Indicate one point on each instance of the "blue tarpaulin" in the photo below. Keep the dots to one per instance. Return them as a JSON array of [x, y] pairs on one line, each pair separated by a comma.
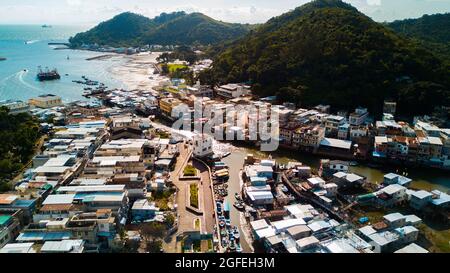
[[363, 220]]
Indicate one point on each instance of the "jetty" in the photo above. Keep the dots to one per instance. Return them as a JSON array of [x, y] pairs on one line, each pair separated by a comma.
[[101, 57], [59, 44]]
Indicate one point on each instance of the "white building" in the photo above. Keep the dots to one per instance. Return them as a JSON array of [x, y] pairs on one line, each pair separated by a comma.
[[232, 90], [358, 117], [203, 145], [420, 199], [392, 195], [15, 107], [412, 248]]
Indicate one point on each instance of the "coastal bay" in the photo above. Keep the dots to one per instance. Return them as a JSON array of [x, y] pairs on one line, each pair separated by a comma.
[[27, 47]]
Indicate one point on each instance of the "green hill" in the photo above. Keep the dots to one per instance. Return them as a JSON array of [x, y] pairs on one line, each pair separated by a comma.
[[433, 28], [129, 29], [123, 30], [195, 28], [328, 52], [431, 31]]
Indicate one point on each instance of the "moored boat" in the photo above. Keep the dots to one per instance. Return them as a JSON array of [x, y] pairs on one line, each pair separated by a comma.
[[239, 205], [48, 75], [236, 233]]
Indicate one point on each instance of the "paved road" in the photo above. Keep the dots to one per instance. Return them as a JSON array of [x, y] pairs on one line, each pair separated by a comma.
[[186, 218], [184, 223], [208, 202]]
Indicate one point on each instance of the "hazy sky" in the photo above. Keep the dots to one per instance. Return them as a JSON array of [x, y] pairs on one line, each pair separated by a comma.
[[90, 12]]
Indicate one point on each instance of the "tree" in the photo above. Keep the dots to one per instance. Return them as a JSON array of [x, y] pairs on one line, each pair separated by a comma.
[[165, 69], [152, 233], [340, 55], [164, 58], [294, 95], [170, 220], [154, 246], [18, 136]]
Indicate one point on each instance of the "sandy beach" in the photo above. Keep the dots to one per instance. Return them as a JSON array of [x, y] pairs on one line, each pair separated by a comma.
[[136, 71]]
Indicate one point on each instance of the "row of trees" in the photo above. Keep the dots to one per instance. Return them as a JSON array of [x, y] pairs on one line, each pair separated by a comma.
[[18, 136]]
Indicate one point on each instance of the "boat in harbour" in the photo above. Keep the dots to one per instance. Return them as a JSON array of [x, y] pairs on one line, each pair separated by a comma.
[[236, 233], [238, 248], [239, 205], [232, 246], [47, 75]]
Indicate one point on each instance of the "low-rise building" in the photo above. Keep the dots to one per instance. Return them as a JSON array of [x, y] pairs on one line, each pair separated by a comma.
[[393, 178], [232, 90], [143, 210], [167, 105], [9, 229], [15, 107], [391, 195], [420, 199], [395, 220], [358, 117], [347, 180], [332, 124], [330, 167], [412, 249], [203, 145], [46, 101]]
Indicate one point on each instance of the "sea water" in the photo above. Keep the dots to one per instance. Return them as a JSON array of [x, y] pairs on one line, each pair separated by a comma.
[[26, 48]]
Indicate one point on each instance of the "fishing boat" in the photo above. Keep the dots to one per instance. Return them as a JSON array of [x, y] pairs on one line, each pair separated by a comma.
[[222, 223], [230, 234], [232, 246], [238, 205], [48, 75], [228, 223], [225, 242], [223, 233], [226, 154], [238, 248], [236, 233], [238, 196]]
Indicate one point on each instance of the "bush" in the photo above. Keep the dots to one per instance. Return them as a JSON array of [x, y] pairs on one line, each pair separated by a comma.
[[194, 196], [189, 170]]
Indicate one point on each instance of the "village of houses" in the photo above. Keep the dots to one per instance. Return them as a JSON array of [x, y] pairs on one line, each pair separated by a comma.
[[109, 169]]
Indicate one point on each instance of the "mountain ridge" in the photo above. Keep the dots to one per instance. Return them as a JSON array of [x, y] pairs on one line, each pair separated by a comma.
[[328, 52], [130, 29], [430, 31]]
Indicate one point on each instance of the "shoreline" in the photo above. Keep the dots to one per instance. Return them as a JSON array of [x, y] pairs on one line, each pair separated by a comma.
[[101, 57], [136, 71]]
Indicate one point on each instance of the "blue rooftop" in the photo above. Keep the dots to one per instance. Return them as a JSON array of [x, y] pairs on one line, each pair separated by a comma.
[[24, 203], [43, 236], [378, 154]]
